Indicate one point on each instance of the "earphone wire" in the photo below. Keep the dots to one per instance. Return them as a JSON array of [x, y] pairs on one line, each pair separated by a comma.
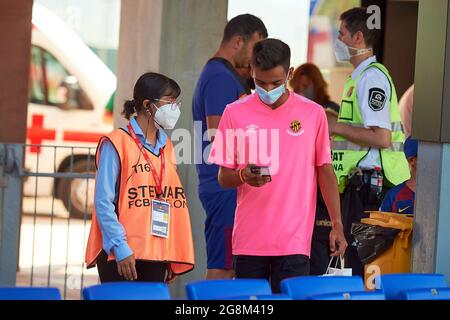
[[141, 149]]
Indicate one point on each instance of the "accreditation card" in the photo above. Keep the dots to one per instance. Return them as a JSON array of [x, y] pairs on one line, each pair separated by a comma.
[[160, 218]]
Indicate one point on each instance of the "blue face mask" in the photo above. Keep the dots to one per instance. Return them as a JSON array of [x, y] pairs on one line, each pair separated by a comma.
[[270, 97]]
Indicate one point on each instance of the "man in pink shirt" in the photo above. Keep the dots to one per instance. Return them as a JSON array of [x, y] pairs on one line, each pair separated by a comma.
[[273, 146]]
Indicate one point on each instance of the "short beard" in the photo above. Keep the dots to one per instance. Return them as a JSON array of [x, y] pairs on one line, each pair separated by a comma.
[[240, 59]]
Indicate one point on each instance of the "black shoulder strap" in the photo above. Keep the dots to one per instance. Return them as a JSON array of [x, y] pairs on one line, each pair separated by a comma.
[[236, 75]]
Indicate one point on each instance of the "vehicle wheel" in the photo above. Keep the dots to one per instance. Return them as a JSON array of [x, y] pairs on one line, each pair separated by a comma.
[[73, 191]]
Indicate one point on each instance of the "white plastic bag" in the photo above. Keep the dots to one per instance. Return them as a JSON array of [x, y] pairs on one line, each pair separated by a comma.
[[337, 271]]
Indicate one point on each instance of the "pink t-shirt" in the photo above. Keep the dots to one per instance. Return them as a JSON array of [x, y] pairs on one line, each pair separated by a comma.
[[293, 140]]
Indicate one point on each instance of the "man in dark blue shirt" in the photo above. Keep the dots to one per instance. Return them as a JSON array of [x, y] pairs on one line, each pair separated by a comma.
[[220, 84]]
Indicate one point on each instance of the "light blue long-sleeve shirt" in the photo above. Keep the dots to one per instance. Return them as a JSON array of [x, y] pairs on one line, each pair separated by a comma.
[[106, 192]]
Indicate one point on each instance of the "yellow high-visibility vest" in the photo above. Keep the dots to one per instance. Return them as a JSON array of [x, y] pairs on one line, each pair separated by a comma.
[[347, 155]]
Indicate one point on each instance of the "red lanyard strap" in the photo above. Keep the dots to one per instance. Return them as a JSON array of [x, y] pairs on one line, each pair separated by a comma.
[[158, 178]]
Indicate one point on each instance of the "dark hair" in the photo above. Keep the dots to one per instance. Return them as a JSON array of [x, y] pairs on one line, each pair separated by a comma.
[[150, 86], [356, 20], [244, 25], [312, 72], [270, 53]]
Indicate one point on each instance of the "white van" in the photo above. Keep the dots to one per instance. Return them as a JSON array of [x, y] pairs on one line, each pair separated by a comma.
[[69, 90]]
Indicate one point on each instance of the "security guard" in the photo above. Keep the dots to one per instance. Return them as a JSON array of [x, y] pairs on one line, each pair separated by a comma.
[[368, 135]]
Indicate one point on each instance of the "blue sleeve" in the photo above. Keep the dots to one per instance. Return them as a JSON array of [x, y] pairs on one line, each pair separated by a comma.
[[219, 91], [386, 205], [113, 233]]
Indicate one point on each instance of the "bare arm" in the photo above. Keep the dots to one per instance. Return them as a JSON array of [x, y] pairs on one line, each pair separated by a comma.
[[367, 137], [212, 122], [329, 188], [229, 178]]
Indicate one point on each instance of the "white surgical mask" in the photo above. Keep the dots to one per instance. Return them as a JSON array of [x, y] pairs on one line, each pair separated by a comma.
[[341, 50], [167, 115]]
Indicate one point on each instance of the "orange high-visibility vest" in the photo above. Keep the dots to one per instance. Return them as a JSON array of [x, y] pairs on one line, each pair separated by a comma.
[[137, 189]]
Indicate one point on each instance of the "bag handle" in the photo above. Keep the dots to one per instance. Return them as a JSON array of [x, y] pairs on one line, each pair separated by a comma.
[[329, 264], [341, 258], [342, 262]]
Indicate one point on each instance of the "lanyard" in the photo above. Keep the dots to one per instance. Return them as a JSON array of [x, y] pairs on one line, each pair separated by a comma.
[[158, 178]]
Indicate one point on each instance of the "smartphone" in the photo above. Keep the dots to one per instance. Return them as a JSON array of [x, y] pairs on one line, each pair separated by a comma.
[[262, 171]]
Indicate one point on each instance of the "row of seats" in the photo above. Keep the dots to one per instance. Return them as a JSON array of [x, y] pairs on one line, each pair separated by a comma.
[[391, 287]]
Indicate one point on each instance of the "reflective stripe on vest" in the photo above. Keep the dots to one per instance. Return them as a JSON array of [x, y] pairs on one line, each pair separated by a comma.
[[136, 192], [395, 126], [347, 145], [347, 155]]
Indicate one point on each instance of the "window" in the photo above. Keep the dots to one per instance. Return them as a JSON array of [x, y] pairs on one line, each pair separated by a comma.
[[51, 84], [323, 31], [37, 94]]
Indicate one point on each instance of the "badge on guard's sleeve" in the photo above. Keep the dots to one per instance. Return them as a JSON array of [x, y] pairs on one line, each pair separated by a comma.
[[377, 98]]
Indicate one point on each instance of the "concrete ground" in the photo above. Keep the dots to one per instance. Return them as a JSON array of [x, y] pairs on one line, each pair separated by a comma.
[[52, 249]]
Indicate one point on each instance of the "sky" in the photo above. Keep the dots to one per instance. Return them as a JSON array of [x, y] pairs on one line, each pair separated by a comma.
[[97, 30]]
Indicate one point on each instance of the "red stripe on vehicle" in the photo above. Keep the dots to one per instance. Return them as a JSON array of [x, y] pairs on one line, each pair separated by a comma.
[[78, 136]]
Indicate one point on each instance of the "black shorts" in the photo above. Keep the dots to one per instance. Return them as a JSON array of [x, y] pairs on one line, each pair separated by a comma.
[[272, 268]]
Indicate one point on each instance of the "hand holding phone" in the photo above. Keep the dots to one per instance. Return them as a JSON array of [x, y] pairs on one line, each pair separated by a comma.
[[262, 171], [257, 176]]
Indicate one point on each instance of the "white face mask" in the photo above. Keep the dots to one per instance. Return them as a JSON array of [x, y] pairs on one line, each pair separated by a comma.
[[270, 97], [341, 50], [167, 115]]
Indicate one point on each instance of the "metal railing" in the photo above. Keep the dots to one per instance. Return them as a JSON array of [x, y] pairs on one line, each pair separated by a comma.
[[46, 197]]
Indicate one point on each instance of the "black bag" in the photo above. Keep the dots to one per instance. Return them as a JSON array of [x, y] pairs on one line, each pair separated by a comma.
[[371, 240]]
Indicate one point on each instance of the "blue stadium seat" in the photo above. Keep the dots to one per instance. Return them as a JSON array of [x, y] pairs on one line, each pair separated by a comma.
[[356, 295], [29, 293], [127, 291], [300, 288], [426, 294], [221, 289], [261, 297], [393, 284]]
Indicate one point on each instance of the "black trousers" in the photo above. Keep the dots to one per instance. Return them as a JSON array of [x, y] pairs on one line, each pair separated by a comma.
[[146, 271], [354, 202], [272, 268]]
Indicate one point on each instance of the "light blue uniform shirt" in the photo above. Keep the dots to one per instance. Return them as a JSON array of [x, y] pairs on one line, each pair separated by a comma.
[[106, 192]]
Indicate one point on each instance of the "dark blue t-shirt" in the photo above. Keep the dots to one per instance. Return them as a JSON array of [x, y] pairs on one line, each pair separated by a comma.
[[399, 199], [216, 87]]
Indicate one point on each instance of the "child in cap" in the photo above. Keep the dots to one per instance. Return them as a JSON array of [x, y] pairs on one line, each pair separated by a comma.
[[400, 199]]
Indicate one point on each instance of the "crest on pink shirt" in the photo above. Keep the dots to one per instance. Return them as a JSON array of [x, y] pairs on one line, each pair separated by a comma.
[[295, 128]]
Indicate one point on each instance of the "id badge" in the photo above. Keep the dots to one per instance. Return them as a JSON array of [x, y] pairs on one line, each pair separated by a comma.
[[160, 218]]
